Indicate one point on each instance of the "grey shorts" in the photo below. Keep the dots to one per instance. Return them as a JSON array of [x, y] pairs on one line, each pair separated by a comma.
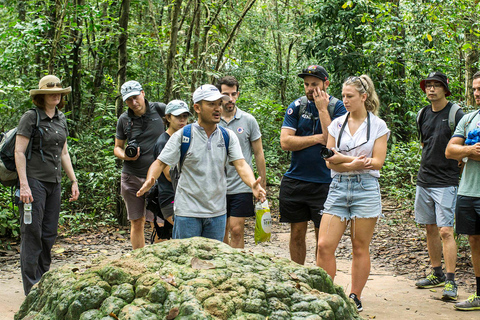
[[435, 206], [130, 184], [167, 211]]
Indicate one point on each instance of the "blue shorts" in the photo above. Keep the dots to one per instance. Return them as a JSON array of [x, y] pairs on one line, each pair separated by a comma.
[[354, 196], [435, 205], [240, 205], [189, 227]]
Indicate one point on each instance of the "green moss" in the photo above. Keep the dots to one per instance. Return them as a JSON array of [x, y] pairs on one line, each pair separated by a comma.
[[225, 283]]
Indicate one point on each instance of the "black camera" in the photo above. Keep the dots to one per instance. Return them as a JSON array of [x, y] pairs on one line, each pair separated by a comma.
[[131, 149], [326, 153]]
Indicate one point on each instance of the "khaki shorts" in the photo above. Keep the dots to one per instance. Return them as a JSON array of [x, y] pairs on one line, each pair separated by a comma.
[[130, 184]]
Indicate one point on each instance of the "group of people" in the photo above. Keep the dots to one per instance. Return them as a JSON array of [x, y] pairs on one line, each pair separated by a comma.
[[207, 187]]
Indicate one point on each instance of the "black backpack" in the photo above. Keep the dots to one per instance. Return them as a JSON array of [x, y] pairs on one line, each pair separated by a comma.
[[8, 170]]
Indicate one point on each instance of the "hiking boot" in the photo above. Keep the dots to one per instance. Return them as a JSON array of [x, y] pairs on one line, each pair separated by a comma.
[[357, 301], [472, 303], [431, 281], [450, 290]]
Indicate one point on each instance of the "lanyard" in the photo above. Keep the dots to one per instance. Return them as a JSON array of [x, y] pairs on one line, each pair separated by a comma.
[[343, 129]]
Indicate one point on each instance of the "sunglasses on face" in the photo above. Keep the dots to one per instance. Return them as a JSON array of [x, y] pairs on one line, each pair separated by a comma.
[[433, 85]]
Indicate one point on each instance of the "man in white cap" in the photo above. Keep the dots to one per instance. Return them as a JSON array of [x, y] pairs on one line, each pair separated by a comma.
[[200, 198], [140, 126]]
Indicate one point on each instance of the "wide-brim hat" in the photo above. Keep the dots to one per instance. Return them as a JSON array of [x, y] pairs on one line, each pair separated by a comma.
[[437, 76], [50, 85]]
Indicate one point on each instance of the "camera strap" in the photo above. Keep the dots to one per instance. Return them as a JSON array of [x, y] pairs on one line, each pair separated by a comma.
[[343, 129]]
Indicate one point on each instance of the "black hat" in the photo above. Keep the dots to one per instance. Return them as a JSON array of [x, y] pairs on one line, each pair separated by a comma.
[[437, 76], [315, 71]]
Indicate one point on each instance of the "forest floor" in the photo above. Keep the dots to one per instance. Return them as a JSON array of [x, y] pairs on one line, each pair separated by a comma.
[[398, 254]]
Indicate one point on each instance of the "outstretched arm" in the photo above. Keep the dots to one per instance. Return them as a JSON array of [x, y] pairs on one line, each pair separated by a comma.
[[246, 173], [153, 173]]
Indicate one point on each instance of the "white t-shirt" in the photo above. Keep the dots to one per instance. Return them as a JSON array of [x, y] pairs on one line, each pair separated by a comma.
[[378, 128]]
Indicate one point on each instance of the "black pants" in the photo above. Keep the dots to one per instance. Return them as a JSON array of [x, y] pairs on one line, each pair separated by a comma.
[[38, 238]]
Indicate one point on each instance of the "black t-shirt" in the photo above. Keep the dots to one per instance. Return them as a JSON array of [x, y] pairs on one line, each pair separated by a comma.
[[436, 170], [145, 130], [165, 188]]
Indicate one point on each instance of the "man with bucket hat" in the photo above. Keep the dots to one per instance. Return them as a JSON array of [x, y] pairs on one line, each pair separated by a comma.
[[304, 186], [437, 183], [200, 197], [140, 126]]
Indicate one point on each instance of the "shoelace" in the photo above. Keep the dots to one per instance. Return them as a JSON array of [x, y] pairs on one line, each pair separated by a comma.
[[473, 297]]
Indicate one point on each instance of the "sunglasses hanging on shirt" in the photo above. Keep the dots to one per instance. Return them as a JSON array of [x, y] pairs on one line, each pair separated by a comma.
[[343, 129]]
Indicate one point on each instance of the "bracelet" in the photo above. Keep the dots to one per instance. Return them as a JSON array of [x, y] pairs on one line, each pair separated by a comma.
[[73, 181]]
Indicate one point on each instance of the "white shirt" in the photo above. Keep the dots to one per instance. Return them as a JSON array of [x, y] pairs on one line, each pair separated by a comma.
[[378, 128]]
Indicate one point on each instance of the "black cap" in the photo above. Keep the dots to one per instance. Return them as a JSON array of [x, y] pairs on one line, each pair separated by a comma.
[[437, 76], [315, 71]]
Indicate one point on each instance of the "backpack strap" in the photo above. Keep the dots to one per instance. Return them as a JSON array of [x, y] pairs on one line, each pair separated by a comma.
[[331, 105], [160, 108], [226, 136], [419, 116], [452, 115], [186, 139], [36, 129]]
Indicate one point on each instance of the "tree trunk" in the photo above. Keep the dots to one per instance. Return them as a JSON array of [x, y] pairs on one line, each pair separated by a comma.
[[172, 50], [232, 34], [196, 47], [121, 76], [75, 105], [470, 66]]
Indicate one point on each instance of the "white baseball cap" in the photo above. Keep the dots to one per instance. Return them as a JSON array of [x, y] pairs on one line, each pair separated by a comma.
[[208, 92]]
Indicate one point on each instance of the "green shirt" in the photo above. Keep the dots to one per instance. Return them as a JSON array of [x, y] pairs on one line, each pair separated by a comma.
[[470, 181], [55, 132]]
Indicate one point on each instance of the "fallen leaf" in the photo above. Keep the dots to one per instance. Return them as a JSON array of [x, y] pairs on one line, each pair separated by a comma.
[[173, 313], [60, 250], [200, 264]]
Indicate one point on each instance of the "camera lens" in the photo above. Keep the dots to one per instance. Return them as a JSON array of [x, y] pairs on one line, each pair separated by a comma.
[[326, 153], [131, 150]]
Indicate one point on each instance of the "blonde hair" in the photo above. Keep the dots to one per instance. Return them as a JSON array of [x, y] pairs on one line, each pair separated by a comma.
[[364, 84]]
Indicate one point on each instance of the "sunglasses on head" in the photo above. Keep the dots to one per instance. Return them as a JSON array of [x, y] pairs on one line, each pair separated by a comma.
[[354, 79], [53, 84]]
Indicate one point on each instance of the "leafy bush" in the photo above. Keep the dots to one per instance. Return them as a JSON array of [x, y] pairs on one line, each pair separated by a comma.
[[399, 173]]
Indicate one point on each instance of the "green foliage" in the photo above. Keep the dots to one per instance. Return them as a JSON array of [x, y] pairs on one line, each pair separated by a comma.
[[399, 173], [9, 217], [269, 116]]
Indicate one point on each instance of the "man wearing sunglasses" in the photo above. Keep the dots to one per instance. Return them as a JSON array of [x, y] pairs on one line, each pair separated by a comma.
[[304, 186], [437, 183]]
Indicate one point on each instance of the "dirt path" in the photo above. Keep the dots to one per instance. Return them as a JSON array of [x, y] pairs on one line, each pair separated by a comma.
[[387, 295]]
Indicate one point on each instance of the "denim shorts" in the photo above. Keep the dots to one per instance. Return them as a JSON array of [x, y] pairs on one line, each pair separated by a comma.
[[189, 227], [435, 205], [354, 196]]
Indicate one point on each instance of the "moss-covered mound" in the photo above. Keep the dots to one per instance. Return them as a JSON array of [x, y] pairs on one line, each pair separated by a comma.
[[188, 279]]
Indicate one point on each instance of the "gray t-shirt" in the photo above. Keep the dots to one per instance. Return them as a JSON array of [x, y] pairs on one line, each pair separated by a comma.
[[201, 190], [471, 172], [145, 130], [246, 128]]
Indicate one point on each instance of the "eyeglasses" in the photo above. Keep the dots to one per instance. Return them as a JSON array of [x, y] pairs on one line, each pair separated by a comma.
[[355, 79], [53, 84], [434, 85]]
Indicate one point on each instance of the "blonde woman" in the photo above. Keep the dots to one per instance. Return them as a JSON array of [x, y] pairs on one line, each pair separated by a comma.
[[358, 140]]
